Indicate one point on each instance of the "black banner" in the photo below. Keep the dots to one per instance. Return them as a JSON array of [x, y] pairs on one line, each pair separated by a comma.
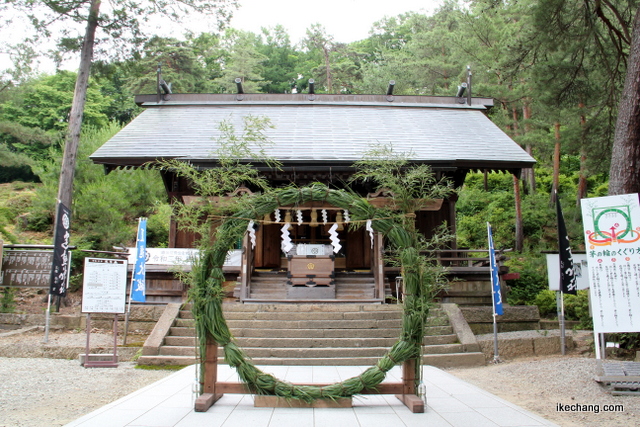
[[568, 283], [60, 267]]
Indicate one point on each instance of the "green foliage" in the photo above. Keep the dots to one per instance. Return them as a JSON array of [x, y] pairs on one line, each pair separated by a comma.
[[179, 64], [629, 341], [546, 302], [233, 170], [532, 281], [158, 226], [7, 301], [47, 102], [576, 307], [243, 61], [105, 207], [411, 186], [279, 70]]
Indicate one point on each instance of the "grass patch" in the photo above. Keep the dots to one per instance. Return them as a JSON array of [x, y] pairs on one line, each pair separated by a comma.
[[160, 367], [133, 344]]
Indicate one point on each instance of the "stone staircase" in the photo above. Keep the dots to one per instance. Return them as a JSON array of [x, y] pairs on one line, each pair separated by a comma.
[[314, 334], [272, 285]]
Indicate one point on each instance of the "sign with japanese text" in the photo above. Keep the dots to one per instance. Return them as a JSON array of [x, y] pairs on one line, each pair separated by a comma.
[[26, 268], [104, 286], [61, 264], [580, 269], [612, 243], [138, 289], [181, 256]]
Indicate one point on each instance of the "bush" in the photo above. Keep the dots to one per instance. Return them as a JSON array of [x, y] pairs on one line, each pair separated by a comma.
[[533, 278], [576, 307], [105, 207], [546, 302], [7, 301]]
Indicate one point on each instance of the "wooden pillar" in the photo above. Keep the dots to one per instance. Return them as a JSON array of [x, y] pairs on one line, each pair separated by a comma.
[[245, 269], [378, 265], [210, 378], [409, 396]]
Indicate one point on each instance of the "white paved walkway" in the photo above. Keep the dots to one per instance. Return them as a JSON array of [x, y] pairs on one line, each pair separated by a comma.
[[451, 402]]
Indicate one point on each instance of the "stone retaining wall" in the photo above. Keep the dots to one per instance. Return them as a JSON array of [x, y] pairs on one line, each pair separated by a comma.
[[141, 318], [515, 318]]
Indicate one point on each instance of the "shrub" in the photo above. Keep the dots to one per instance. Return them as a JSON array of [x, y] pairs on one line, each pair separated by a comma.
[[533, 278], [546, 302]]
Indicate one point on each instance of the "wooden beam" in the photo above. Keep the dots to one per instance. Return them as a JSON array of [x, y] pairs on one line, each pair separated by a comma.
[[413, 402], [206, 401], [280, 402], [241, 388]]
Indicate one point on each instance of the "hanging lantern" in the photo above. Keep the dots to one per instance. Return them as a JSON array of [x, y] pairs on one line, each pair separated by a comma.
[[314, 218], [339, 221]]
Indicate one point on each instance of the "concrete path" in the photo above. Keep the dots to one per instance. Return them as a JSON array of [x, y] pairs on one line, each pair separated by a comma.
[[450, 402]]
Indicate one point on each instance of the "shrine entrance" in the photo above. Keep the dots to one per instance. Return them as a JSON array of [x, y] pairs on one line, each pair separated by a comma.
[[312, 268]]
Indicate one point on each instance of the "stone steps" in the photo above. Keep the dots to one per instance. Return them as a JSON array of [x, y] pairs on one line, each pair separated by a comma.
[[314, 334], [321, 342], [309, 352], [273, 286], [439, 360]]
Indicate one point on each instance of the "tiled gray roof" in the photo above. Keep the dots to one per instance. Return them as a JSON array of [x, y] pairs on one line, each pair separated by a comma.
[[315, 133]]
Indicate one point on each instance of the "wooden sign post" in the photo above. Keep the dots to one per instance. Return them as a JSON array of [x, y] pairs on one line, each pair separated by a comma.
[[104, 291]]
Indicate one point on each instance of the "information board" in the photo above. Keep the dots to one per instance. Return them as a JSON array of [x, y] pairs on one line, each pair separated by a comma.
[[26, 268], [104, 286], [612, 241], [580, 270]]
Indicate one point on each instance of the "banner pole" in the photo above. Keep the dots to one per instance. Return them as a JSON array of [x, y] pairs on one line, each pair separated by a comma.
[[496, 356], [46, 323], [496, 296], [133, 275], [562, 326], [126, 315]]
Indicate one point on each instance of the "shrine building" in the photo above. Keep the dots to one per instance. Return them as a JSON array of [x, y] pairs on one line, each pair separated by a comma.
[[317, 138]]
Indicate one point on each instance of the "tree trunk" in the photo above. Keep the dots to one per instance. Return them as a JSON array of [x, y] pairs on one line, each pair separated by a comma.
[[556, 163], [519, 223], [327, 65], [528, 174], [582, 176], [67, 172], [625, 155]]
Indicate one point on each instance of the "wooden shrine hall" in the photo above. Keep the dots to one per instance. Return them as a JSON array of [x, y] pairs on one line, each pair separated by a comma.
[[316, 138]]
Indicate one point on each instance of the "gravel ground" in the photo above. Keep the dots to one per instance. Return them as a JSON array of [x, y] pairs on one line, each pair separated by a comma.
[[52, 392], [539, 384], [38, 392]]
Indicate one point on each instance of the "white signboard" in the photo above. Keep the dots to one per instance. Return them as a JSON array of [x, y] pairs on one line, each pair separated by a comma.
[[105, 285], [181, 256], [612, 242], [580, 268]]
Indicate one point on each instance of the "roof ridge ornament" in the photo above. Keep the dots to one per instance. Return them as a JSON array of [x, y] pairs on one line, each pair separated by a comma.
[[312, 92], [240, 94]]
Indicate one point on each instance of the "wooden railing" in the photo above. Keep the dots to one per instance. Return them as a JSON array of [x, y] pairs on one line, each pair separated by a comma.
[[464, 260], [469, 258]]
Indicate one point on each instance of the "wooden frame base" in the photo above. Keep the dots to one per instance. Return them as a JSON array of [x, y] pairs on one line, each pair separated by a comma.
[[214, 390]]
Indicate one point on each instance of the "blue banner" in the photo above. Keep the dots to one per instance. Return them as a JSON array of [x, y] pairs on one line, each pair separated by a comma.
[[495, 281], [138, 291]]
